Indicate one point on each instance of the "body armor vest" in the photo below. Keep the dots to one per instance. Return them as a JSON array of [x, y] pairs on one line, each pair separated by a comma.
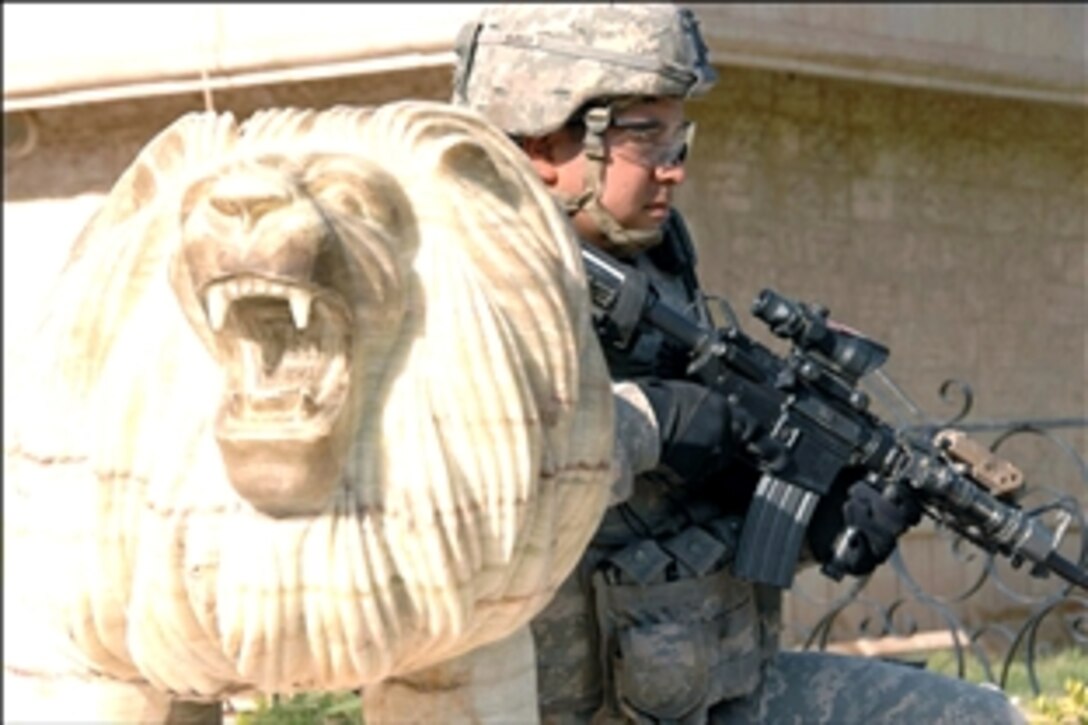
[[651, 626]]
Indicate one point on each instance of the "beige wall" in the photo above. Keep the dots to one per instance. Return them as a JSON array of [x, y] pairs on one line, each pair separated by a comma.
[[1012, 49], [950, 226], [151, 49], [1029, 50]]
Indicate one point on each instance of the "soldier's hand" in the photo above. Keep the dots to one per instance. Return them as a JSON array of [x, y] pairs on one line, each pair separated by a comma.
[[694, 425], [875, 519]]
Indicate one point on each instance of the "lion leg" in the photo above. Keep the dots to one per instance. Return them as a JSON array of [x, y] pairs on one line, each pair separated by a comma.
[[44, 698], [495, 683]]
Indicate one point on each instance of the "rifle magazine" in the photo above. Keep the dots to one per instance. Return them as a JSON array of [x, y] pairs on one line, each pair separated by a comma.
[[773, 531]]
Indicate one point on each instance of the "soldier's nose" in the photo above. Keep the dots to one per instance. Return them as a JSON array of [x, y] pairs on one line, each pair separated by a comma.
[[670, 174]]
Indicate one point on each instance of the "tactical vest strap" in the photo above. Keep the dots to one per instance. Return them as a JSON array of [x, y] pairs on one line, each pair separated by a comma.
[[677, 255]]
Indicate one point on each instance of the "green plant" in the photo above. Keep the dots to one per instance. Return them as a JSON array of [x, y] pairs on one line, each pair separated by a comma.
[[1052, 671], [308, 708], [1069, 708]]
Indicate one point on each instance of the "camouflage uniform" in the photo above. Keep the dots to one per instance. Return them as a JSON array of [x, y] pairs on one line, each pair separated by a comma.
[[663, 630], [677, 638], [652, 626]]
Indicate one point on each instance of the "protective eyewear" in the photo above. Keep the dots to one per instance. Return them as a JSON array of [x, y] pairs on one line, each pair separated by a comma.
[[648, 143]]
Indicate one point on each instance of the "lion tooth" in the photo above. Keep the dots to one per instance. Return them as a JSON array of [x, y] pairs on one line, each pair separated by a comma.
[[217, 303], [300, 301]]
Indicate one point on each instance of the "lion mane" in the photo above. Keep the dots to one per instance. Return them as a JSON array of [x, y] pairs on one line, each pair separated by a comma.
[[472, 466]]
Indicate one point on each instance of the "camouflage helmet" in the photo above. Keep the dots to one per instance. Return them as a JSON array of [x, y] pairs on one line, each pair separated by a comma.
[[529, 67]]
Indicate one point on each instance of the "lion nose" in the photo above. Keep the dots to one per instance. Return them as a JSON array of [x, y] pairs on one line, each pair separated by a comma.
[[246, 199]]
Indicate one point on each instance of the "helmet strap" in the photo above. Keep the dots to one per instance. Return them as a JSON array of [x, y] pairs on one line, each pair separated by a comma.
[[628, 241]]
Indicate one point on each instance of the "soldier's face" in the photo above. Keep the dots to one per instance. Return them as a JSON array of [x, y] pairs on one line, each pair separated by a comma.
[[644, 163]]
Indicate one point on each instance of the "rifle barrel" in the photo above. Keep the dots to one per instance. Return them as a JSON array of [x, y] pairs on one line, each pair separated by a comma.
[[1067, 570]]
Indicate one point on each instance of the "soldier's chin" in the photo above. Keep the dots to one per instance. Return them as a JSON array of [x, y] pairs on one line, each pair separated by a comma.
[[284, 469]]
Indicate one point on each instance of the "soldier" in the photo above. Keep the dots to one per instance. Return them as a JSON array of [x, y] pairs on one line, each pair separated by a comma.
[[652, 626]]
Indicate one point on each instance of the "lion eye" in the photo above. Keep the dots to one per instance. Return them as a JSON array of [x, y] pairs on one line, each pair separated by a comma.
[[348, 188]]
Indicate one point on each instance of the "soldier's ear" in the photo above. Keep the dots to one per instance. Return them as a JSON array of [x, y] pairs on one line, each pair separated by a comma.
[[541, 151]]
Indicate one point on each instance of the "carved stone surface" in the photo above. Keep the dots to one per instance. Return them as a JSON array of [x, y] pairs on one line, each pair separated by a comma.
[[315, 403]]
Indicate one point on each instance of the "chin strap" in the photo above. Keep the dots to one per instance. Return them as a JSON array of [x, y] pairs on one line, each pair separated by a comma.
[[625, 241]]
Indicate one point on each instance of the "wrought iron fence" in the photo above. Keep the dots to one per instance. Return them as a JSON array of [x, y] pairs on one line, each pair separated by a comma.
[[1053, 614]]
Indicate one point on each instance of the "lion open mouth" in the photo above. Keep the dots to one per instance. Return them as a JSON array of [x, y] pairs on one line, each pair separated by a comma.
[[286, 351]]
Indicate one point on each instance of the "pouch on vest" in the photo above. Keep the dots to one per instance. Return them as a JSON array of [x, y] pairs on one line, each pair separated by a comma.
[[670, 650], [662, 670]]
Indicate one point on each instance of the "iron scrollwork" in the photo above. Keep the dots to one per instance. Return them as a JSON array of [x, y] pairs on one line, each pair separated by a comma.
[[1054, 612]]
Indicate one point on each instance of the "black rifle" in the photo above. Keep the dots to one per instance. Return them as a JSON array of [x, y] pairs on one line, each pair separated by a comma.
[[802, 421]]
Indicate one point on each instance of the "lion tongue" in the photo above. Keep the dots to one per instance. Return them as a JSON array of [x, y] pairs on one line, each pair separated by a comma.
[[271, 385], [297, 387]]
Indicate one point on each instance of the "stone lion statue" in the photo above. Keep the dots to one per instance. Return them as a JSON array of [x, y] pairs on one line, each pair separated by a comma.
[[315, 404]]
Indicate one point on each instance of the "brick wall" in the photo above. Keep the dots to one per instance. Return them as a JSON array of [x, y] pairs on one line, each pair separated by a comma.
[[950, 227]]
